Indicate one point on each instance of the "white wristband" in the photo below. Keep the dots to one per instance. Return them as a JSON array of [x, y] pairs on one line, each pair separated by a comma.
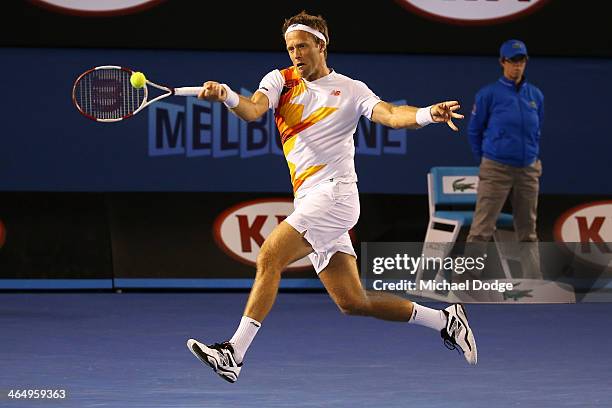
[[232, 99], [423, 116]]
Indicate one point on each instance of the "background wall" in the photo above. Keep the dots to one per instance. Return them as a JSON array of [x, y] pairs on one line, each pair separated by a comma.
[[183, 144]]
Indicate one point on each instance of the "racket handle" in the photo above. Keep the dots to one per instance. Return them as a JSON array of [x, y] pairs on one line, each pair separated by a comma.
[[188, 91]]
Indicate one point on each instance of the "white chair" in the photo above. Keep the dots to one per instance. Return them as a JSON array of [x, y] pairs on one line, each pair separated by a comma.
[[452, 193]]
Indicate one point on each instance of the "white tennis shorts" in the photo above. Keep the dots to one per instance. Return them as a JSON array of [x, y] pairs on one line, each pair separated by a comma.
[[326, 212]]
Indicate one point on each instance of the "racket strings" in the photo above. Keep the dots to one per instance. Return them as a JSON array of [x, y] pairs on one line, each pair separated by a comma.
[[107, 94]]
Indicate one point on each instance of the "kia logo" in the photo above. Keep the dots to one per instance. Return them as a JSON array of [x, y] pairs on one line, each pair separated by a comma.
[[590, 226], [241, 230], [96, 8], [472, 11]]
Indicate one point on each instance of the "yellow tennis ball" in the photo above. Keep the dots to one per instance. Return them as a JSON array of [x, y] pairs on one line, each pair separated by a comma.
[[138, 80]]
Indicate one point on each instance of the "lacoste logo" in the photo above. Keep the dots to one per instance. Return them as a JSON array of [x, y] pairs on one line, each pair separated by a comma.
[[459, 186], [533, 104], [336, 92], [517, 294]]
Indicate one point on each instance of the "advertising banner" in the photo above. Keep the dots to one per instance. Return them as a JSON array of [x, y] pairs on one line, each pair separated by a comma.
[[211, 240], [186, 144], [201, 240]]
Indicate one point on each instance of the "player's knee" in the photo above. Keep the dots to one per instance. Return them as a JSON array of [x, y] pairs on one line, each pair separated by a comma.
[[353, 307], [267, 263]]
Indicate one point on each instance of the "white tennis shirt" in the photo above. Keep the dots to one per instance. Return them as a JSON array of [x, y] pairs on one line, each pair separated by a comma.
[[316, 121]]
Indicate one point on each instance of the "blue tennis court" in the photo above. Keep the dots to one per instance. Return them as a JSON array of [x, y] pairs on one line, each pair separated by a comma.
[[128, 350]]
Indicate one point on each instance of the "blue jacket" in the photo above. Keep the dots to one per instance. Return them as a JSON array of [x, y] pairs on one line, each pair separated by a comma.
[[506, 123]]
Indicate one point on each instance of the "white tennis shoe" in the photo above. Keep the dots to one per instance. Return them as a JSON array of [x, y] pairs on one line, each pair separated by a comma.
[[219, 357], [458, 334]]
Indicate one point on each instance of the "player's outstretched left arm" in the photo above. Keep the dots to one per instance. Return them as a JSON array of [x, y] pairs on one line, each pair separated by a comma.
[[411, 117]]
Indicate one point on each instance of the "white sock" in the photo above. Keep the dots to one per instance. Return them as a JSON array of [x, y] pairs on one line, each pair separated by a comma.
[[425, 316], [244, 336]]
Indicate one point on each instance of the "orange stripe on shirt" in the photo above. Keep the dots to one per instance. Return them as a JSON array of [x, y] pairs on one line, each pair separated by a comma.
[[299, 180]]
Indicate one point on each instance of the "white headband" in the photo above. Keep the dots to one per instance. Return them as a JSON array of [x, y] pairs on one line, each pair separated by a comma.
[[302, 27]]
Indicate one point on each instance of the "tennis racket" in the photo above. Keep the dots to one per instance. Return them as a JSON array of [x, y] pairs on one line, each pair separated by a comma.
[[104, 94]]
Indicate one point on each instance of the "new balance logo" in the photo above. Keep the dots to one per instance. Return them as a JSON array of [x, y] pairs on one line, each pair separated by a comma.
[[454, 327], [224, 359]]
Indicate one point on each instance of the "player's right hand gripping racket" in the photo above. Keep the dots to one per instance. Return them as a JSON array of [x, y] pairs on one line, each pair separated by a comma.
[[105, 94]]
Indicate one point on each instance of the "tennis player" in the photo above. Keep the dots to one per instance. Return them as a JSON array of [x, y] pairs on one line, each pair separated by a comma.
[[317, 111]]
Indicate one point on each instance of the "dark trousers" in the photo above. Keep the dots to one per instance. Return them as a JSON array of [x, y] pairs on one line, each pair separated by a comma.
[[496, 182]]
